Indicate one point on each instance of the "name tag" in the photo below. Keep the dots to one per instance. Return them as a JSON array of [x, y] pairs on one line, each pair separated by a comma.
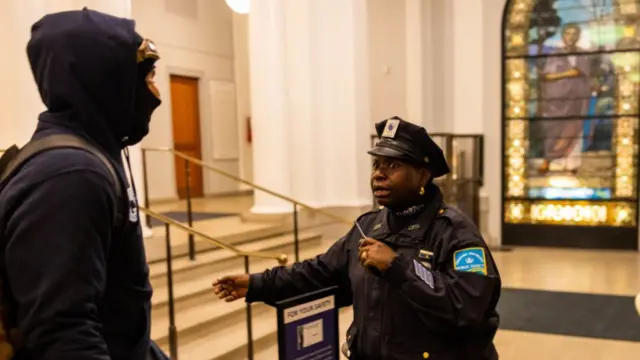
[[425, 257]]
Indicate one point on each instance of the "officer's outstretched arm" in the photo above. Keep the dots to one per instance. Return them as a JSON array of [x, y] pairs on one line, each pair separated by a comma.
[[463, 286], [325, 270]]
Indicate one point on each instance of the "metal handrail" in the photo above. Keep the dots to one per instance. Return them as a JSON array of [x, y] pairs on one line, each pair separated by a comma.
[[188, 160], [168, 222], [249, 183], [281, 258]]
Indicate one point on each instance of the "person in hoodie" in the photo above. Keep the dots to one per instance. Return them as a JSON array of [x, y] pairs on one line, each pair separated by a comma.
[[80, 284]]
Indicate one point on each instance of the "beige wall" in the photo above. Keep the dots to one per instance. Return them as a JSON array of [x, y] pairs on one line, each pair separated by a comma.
[[194, 38]]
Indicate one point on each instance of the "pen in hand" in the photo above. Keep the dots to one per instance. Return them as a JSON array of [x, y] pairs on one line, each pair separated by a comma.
[[372, 269]]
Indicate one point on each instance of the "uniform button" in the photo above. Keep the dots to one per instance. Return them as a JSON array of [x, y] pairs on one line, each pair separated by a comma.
[[425, 355]]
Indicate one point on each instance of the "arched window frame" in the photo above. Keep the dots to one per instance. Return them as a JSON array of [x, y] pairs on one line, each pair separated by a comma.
[[621, 210]]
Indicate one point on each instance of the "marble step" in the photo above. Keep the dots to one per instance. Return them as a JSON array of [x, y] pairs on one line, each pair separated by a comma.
[[196, 306], [185, 269], [230, 230], [209, 328]]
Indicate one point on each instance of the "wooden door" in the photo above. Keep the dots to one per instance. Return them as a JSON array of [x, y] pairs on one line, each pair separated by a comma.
[[186, 133]]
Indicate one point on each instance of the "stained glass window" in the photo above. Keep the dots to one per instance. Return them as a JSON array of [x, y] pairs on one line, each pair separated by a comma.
[[571, 96]]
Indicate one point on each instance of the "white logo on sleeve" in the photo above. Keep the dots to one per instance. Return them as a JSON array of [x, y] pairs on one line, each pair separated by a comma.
[[133, 205]]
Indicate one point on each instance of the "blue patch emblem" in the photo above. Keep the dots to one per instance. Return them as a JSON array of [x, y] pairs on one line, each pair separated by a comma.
[[470, 260]]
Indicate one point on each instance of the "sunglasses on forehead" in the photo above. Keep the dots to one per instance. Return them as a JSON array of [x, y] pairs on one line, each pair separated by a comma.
[[147, 50]]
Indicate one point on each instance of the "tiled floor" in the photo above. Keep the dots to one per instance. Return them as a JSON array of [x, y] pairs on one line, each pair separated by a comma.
[[584, 271]]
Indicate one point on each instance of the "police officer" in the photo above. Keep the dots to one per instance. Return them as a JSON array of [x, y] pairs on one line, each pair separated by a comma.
[[422, 282]]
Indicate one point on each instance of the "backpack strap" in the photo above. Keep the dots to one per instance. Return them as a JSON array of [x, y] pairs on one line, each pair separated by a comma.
[[7, 157], [59, 141], [11, 161]]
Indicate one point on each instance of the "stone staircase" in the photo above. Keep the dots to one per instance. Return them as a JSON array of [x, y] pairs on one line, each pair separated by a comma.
[[207, 327]]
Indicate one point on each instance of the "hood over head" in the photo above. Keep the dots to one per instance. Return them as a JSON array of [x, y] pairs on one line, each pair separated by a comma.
[[86, 65]]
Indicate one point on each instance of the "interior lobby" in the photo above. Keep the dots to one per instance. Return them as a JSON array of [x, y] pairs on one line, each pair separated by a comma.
[[258, 152]]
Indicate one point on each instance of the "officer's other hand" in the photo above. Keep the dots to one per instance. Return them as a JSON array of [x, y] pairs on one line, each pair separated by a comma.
[[374, 253], [232, 287]]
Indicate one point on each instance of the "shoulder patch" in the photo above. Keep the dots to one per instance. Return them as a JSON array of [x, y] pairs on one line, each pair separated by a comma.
[[471, 259]]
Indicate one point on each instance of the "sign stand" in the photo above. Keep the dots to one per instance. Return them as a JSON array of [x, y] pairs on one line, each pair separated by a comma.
[[308, 326]]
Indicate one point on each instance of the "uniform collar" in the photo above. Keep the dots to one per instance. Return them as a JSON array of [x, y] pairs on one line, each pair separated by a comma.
[[413, 225]]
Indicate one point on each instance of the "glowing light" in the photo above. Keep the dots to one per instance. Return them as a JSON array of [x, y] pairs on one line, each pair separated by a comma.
[[516, 145], [564, 182], [239, 6], [576, 214], [516, 212], [562, 212], [624, 165]]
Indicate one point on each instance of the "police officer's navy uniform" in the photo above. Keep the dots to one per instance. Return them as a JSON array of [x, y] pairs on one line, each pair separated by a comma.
[[438, 298]]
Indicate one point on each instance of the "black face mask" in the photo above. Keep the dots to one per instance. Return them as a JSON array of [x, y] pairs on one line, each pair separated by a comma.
[[145, 103]]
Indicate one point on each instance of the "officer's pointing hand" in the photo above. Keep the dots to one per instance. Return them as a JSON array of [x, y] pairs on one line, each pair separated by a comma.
[[374, 253], [230, 288]]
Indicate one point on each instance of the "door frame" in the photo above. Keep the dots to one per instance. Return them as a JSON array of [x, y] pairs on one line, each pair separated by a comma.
[[205, 120]]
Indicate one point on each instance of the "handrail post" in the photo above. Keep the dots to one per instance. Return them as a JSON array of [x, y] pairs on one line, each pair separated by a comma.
[[145, 184], [296, 238], [173, 338], [192, 243], [249, 322]]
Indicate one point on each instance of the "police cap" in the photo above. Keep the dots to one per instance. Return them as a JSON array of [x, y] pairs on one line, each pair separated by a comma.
[[401, 139]]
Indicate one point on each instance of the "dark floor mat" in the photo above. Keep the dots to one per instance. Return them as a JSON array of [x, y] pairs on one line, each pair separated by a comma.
[[574, 314], [181, 216]]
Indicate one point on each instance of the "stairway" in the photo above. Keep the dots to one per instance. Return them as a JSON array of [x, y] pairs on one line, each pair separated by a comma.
[[209, 328]]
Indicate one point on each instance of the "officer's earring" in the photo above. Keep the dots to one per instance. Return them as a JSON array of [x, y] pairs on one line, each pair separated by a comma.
[[421, 190]]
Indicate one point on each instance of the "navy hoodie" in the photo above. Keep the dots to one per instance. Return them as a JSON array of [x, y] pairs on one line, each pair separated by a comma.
[[81, 284]]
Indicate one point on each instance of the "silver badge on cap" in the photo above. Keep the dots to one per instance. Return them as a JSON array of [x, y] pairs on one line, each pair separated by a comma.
[[390, 128]]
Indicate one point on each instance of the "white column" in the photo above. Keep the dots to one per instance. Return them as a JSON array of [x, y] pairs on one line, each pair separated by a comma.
[[302, 105], [467, 43], [492, 110], [341, 94], [310, 101], [20, 101], [243, 93], [421, 30], [270, 120], [465, 85], [415, 57]]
